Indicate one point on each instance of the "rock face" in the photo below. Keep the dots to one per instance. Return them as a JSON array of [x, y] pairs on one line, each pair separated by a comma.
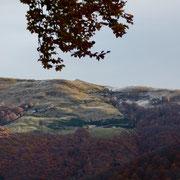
[[50, 105]]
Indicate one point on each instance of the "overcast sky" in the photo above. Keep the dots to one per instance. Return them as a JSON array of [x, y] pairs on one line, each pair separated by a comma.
[[148, 55]]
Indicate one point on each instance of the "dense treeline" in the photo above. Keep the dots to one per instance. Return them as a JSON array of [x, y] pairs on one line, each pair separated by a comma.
[[159, 165], [166, 114], [158, 132], [150, 151], [77, 122], [79, 156], [38, 156]]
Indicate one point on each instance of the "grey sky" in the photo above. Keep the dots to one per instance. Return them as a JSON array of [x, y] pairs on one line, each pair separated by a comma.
[[149, 54]]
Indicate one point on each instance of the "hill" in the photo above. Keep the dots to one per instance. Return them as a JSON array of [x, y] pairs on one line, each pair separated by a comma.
[[61, 106], [56, 103]]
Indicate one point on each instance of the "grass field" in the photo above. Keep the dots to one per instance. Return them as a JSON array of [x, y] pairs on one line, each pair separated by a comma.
[[58, 126], [106, 132], [96, 132]]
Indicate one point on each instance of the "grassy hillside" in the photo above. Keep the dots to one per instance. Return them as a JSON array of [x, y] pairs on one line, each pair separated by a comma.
[[59, 106], [56, 102]]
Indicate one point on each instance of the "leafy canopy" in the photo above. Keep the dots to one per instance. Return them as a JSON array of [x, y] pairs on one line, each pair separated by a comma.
[[70, 24]]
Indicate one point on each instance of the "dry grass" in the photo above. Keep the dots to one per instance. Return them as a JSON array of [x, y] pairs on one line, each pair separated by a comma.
[[65, 109], [78, 90], [6, 82], [106, 109], [30, 124]]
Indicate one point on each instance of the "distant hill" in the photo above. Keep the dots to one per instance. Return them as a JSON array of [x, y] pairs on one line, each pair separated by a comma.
[[59, 104]]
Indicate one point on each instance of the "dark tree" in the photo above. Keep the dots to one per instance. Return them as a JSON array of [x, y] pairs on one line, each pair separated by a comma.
[[69, 25]]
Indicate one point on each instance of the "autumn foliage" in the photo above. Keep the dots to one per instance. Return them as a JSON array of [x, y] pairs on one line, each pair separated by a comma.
[[150, 151], [10, 113], [69, 25], [40, 156], [159, 165], [166, 114], [4, 132]]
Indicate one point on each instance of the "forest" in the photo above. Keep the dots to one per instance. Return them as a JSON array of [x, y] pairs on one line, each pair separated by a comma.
[[149, 151]]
